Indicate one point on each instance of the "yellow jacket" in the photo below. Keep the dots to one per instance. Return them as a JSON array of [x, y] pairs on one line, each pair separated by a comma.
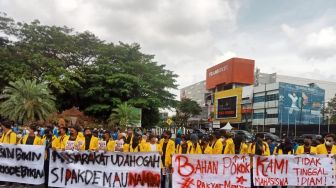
[[93, 143], [79, 141], [195, 150], [136, 149], [280, 151], [144, 146], [60, 142], [170, 150], [266, 151], [53, 141], [179, 148], [207, 150], [322, 149], [217, 148], [37, 140], [8, 138], [300, 150], [110, 145], [243, 148], [229, 147], [81, 135]]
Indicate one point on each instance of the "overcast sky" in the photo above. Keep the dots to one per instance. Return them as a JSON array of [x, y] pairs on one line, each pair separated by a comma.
[[293, 37]]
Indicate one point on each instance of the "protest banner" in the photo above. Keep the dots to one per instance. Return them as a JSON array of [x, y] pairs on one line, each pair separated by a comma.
[[202, 171], [294, 170], [22, 163], [97, 169], [101, 145]]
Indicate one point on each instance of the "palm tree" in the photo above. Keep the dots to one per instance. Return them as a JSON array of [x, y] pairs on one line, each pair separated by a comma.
[[124, 115], [26, 100]]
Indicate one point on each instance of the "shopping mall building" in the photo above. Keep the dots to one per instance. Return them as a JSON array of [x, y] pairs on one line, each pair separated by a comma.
[[237, 93]]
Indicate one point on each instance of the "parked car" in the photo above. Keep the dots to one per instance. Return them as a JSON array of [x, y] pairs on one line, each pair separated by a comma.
[[316, 138], [270, 135], [245, 134]]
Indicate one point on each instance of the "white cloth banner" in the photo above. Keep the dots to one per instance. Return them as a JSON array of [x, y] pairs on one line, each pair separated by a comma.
[[211, 171], [294, 170], [98, 169], [22, 163]]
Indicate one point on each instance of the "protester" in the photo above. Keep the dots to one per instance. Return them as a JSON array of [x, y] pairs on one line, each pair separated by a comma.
[[195, 147], [110, 143], [60, 142], [240, 147], [153, 145], [229, 144], [184, 146], [328, 147], [168, 149], [205, 145], [8, 136], [217, 144], [284, 148], [307, 147], [91, 141], [32, 138], [79, 142]]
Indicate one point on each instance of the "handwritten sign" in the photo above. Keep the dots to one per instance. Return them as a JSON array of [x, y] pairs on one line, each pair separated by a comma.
[[101, 145], [22, 163], [299, 170], [96, 169], [70, 145], [211, 171]]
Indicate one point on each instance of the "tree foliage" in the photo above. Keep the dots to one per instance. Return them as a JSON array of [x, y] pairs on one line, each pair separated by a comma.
[[82, 70], [124, 116], [26, 101], [330, 111], [185, 110]]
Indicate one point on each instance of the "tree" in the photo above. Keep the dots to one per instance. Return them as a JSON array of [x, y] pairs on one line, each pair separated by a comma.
[[185, 110], [82, 70], [330, 111], [26, 101], [124, 116]]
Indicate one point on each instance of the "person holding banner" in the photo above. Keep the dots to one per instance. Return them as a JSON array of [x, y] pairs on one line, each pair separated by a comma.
[[229, 144], [79, 143], [152, 145], [8, 136], [328, 147], [168, 150], [60, 142], [285, 148], [217, 144], [184, 146], [110, 143], [307, 147], [205, 145], [195, 146], [259, 147], [135, 146], [91, 142], [31, 138], [240, 146]]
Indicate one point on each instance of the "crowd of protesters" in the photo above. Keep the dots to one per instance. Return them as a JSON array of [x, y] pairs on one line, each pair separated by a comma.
[[130, 140]]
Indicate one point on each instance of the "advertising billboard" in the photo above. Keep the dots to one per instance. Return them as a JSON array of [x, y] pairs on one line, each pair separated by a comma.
[[234, 70], [227, 106], [300, 105]]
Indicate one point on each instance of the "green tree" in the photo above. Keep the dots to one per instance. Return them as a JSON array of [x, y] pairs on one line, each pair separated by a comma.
[[82, 70], [330, 111], [185, 110], [26, 101], [124, 115]]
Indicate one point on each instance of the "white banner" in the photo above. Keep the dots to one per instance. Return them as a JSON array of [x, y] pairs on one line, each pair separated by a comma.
[[294, 170], [211, 171], [22, 163], [98, 169]]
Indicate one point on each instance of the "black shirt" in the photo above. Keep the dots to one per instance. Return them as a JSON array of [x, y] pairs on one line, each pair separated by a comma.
[[164, 148], [87, 142], [30, 140]]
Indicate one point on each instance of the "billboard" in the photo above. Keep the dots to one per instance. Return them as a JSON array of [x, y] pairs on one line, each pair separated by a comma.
[[227, 106], [300, 104], [234, 70]]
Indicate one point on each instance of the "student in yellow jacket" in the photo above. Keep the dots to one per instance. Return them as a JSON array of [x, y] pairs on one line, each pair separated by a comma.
[[153, 146], [229, 145], [91, 142], [195, 147], [79, 143], [307, 147], [8, 135], [31, 138], [168, 149], [285, 148], [259, 147], [60, 142], [217, 144], [135, 146], [240, 146], [185, 145], [328, 147], [110, 143], [205, 145], [144, 144]]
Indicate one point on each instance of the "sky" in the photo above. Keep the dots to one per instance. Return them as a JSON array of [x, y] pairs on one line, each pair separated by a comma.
[[290, 37]]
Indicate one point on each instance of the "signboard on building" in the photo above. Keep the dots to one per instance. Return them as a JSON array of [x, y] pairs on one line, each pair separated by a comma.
[[300, 104], [234, 70], [228, 105]]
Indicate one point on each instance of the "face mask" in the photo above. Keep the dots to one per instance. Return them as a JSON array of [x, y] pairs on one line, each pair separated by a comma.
[[328, 143]]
